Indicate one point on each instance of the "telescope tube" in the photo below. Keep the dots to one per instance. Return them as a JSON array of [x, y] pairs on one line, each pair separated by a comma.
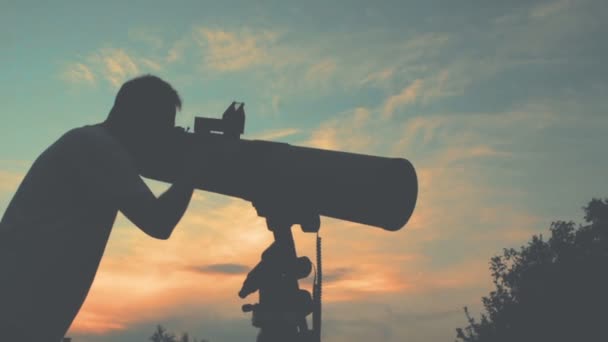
[[366, 189]]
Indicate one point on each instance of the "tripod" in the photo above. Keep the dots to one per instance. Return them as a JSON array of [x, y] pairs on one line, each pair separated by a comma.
[[283, 306]]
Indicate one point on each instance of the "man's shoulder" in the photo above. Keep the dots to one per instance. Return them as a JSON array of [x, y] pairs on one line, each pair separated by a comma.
[[87, 132], [90, 136]]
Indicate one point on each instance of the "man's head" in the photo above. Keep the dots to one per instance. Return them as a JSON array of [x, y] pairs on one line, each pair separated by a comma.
[[144, 112], [145, 103], [143, 115]]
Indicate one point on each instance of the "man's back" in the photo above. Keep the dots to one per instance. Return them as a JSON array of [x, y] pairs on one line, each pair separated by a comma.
[[55, 229]]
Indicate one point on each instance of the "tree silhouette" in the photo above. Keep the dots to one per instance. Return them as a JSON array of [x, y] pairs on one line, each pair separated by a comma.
[[555, 290], [162, 335], [185, 338]]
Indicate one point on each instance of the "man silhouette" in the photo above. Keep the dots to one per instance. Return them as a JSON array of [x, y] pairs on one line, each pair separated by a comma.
[[55, 229]]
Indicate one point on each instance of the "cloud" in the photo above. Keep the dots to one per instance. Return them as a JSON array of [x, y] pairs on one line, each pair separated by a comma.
[[227, 269], [159, 279], [118, 66], [226, 237], [177, 50], [407, 96], [321, 71], [9, 181], [78, 73], [275, 134], [422, 90], [151, 64], [468, 134], [338, 274], [325, 137], [420, 130], [449, 152], [345, 132], [310, 65], [232, 51], [115, 65], [457, 199], [549, 8], [378, 77], [147, 36]]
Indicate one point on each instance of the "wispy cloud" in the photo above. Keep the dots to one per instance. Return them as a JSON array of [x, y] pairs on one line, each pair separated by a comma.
[[337, 274], [146, 35], [226, 269], [321, 71], [275, 134], [378, 76], [118, 66], [464, 132], [115, 65], [408, 95], [345, 132], [151, 64], [549, 8], [326, 137], [231, 51], [177, 50], [331, 62], [78, 73]]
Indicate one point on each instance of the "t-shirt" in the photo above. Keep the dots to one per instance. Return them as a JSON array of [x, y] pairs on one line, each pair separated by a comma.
[[55, 229]]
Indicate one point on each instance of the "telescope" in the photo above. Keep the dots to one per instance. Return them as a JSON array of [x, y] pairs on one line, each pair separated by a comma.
[[370, 190], [288, 185]]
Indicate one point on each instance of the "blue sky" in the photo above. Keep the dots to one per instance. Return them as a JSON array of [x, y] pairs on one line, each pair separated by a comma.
[[501, 107]]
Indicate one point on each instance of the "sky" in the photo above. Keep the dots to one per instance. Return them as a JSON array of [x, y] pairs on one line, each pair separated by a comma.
[[499, 105]]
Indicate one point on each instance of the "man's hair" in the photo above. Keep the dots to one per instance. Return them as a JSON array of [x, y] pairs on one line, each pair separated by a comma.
[[142, 95]]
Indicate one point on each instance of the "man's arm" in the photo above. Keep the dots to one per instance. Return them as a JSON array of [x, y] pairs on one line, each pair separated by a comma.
[[158, 217], [108, 174]]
